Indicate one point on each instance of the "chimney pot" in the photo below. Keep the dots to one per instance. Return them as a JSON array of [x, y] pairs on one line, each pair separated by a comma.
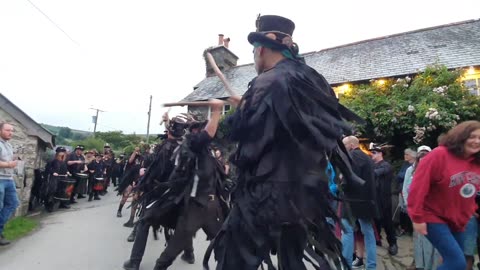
[[220, 39], [226, 42]]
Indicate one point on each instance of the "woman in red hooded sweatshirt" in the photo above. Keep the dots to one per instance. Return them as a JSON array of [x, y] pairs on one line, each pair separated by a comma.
[[442, 194]]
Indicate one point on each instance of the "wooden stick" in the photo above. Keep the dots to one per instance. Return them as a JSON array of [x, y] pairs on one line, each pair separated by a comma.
[[219, 73], [191, 103]]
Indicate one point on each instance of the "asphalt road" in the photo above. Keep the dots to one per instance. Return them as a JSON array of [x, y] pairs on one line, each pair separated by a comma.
[[87, 236]]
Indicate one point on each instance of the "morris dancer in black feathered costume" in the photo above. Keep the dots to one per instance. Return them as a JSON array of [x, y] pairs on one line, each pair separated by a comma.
[[288, 125], [195, 194], [152, 186]]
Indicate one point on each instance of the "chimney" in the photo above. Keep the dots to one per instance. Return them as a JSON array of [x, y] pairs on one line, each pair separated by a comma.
[[225, 42], [224, 58], [220, 39]]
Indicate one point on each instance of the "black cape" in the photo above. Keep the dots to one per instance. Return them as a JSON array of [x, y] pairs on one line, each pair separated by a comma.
[[288, 126], [171, 195]]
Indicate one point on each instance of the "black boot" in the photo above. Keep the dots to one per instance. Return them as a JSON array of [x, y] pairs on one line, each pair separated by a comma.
[[96, 197], [90, 197], [64, 205], [393, 249], [133, 234], [131, 265], [3, 241], [129, 223], [119, 212], [161, 265], [80, 196], [188, 256], [49, 206]]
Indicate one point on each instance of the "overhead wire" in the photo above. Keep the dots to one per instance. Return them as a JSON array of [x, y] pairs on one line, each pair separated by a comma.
[[55, 24]]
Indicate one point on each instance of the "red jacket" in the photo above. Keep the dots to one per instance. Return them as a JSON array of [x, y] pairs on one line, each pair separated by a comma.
[[443, 190]]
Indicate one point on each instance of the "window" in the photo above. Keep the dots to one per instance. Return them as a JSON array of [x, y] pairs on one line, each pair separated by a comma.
[[226, 108], [473, 86], [471, 80]]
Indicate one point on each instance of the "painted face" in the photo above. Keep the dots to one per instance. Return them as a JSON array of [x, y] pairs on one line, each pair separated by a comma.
[[257, 58], [7, 132], [472, 144]]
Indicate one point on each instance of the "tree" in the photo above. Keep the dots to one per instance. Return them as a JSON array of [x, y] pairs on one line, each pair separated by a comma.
[[90, 143], [116, 139], [65, 132], [408, 112]]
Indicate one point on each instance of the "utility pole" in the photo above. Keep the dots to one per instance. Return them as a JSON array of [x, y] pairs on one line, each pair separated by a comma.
[[95, 120], [148, 124]]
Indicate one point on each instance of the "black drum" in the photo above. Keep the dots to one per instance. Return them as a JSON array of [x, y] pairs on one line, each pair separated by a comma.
[[65, 187], [82, 183], [98, 184]]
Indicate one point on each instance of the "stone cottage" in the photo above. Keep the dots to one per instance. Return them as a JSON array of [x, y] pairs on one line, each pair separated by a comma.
[[30, 142], [455, 45]]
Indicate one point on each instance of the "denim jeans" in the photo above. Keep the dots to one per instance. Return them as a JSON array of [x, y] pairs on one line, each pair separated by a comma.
[[8, 201], [348, 242], [449, 244]]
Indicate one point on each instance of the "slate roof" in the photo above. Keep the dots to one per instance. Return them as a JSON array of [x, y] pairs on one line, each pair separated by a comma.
[[453, 45], [32, 127]]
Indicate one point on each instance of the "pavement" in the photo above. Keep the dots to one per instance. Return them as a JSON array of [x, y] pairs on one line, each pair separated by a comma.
[[90, 236]]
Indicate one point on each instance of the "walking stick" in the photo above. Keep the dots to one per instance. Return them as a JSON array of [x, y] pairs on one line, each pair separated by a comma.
[[219, 74]]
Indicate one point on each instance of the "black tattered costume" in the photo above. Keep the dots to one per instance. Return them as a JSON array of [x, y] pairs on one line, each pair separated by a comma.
[[181, 192], [194, 197], [288, 127], [158, 171]]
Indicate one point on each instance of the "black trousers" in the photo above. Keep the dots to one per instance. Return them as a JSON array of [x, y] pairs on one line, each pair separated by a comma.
[[209, 218], [386, 223], [140, 243]]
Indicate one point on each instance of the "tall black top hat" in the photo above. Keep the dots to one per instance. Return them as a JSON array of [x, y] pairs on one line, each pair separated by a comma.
[[273, 31]]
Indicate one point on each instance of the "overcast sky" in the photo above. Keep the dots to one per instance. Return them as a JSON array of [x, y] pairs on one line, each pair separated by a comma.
[[114, 54]]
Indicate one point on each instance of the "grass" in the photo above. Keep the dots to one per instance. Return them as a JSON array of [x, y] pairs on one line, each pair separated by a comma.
[[19, 227]]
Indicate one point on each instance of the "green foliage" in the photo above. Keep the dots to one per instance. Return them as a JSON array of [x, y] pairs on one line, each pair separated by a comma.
[[80, 136], [405, 112], [223, 129], [90, 143], [18, 227], [116, 139], [129, 149], [65, 132]]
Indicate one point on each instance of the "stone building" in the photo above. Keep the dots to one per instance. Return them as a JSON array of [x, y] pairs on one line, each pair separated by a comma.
[[30, 142]]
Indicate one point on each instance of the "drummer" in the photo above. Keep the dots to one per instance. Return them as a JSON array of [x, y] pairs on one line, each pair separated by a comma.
[[108, 159], [76, 164], [56, 167], [96, 170]]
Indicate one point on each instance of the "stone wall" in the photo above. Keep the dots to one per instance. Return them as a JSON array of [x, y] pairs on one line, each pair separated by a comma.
[[30, 150]]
